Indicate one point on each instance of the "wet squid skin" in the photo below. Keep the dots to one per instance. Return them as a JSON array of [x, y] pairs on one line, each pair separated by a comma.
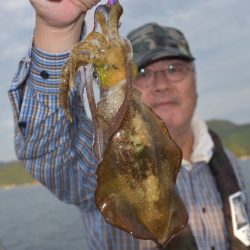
[[139, 161], [136, 178]]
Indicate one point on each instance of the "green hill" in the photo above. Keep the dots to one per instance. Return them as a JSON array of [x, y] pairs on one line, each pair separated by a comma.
[[13, 174], [234, 137]]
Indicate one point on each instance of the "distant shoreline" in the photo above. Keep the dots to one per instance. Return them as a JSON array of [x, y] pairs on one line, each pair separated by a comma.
[[23, 179], [246, 157], [13, 186]]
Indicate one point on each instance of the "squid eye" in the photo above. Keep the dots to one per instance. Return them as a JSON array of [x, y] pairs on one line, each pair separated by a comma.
[[114, 67], [95, 75]]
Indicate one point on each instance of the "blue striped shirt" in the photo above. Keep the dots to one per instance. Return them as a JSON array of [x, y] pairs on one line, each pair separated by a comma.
[[59, 155]]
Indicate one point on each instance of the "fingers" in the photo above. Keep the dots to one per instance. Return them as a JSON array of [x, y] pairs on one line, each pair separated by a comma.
[[85, 5]]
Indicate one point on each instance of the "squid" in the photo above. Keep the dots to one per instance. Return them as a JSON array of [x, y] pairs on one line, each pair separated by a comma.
[[138, 160]]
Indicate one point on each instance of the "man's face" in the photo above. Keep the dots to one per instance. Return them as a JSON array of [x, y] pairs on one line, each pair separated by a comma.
[[171, 92]]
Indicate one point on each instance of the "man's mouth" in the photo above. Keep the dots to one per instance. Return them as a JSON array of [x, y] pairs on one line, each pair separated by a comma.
[[163, 104]]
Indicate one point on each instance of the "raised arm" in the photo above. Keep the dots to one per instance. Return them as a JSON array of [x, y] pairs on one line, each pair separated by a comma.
[[55, 152]]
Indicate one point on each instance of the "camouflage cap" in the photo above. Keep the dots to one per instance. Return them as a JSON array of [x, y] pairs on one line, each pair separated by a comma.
[[151, 42]]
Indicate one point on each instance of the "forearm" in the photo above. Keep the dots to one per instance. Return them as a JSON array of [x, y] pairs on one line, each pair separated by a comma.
[[56, 152], [57, 39]]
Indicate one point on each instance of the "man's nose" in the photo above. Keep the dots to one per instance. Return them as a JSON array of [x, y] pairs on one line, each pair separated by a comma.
[[161, 82]]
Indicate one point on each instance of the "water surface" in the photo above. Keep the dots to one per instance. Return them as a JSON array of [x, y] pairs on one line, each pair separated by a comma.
[[31, 218]]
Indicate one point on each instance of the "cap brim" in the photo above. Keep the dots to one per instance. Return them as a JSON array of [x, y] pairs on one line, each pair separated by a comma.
[[153, 56]]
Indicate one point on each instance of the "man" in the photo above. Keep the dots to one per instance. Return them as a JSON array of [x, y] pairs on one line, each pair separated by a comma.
[[59, 154], [167, 81]]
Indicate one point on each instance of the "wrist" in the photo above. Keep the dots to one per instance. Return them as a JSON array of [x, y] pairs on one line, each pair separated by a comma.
[[45, 71], [57, 39]]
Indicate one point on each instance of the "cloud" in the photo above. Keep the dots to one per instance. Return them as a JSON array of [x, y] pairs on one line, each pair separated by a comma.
[[13, 5], [218, 32], [226, 107], [15, 32]]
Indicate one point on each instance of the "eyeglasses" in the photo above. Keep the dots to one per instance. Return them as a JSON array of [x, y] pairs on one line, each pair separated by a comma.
[[175, 72]]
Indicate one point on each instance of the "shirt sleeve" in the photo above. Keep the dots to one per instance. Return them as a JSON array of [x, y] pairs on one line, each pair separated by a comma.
[[56, 152]]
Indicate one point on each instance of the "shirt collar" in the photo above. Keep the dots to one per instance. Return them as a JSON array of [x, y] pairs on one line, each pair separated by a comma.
[[203, 143]]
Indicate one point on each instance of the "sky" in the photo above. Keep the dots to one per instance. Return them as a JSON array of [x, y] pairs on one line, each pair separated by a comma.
[[219, 37]]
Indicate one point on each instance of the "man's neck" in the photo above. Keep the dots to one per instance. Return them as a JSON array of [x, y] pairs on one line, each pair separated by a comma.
[[185, 140]]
